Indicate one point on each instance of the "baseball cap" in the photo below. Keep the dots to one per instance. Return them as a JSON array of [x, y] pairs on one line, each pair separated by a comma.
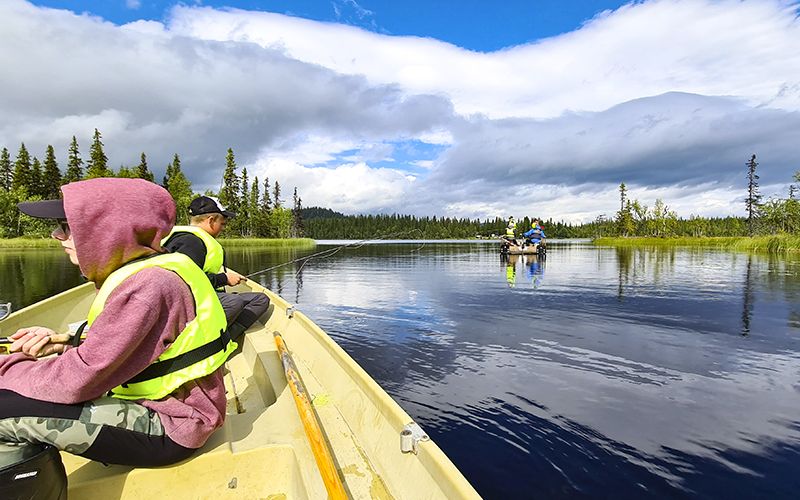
[[45, 209], [208, 205]]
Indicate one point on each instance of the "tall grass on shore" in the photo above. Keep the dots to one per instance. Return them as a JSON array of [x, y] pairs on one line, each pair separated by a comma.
[[775, 243], [232, 242]]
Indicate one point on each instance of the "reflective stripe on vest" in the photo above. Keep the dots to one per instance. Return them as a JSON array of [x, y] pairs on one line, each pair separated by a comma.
[[209, 325], [214, 253]]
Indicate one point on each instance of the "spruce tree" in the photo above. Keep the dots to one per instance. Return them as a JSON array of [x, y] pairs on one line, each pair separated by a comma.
[[141, 171], [179, 187], [97, 166], [74, 170], [229, 194], [276, 192], [35, 178], [22, 169], [753, 201], [297, 216], [244, 208], [51, 177], [255, 227], [125, 173], [6, 171]]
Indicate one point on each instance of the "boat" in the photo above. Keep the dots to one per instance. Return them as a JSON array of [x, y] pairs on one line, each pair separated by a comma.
[[511, 247], [263, 451]]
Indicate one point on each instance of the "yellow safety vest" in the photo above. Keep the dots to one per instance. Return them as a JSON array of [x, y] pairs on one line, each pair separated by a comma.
[[510, 228], [214, 253], [202, 346]]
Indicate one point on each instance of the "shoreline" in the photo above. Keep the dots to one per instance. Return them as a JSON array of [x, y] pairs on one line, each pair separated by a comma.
[[23, 242], [776, 243]]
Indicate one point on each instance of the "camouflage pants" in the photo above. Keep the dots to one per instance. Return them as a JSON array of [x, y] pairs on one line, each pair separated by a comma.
[[107, 429]]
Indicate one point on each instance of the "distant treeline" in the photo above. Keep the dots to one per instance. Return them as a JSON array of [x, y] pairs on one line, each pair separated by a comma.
[[323, 224], [260, 211]]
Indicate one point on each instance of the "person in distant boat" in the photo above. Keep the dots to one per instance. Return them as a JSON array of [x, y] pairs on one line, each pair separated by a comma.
[[198, 241], [510, 228], [535, 235], [145, 387]]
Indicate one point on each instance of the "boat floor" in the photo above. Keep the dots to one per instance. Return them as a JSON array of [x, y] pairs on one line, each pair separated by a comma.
[[261, 451]]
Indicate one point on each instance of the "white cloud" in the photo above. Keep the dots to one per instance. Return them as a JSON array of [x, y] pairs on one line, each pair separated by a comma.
[[133, 4], [664, 95]]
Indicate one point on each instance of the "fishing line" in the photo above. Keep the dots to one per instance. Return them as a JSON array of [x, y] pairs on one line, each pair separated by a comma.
[[331, 252]]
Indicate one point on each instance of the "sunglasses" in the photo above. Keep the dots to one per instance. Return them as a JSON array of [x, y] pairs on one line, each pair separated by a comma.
[[62, 232]]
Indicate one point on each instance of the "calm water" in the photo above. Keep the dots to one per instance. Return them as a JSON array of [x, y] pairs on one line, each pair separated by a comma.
[[600, 373]]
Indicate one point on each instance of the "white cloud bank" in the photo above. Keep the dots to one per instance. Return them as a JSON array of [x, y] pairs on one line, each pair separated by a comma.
[[669, 96]]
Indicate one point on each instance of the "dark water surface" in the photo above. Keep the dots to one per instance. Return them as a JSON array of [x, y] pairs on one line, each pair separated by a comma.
[[600, 373]]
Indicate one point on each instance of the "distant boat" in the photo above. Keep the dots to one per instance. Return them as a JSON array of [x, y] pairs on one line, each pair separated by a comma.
[[509, 247], [263, 451]]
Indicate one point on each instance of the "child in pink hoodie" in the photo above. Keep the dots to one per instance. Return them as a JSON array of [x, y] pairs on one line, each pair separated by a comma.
[[62, 400]]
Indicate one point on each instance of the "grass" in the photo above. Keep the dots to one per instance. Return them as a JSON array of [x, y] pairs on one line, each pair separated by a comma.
[[775, 243], [38, 242]]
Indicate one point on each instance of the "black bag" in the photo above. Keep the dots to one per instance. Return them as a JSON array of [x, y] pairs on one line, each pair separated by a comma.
[[32, 472]]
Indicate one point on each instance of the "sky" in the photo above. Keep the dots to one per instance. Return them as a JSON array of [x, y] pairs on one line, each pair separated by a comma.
[[458, 109]]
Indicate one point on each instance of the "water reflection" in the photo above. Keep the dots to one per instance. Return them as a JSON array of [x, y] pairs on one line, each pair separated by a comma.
[[627, 373]]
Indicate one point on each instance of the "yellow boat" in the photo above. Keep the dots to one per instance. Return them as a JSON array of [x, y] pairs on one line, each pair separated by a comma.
[[262, 451]]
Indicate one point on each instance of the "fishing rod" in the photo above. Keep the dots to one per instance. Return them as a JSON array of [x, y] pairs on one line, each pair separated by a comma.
[[333, 251]]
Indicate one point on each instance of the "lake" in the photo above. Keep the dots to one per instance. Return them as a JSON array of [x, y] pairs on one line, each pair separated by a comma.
[[596, 373]]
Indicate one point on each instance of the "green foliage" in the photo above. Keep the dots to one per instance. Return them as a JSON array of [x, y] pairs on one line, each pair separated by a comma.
[[14, 223], [74, 170], [51, 176], [179, 187], [141, 171], [6, 170], [22, 169], [97, 166]]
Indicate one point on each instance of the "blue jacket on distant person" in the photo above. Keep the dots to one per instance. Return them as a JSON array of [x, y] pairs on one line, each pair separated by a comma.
[[536, 234]]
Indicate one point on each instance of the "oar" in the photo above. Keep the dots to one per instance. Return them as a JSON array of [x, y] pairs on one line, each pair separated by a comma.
[[321, 452]]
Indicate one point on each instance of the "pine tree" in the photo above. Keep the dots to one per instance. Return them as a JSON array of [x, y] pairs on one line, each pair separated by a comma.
[[125, 173], [35, 178], [297, 217], [6, 171], [255, 226], [753, 201], [180, 188], [51, 177], [97, 166], [276, 192], [229, 194], [74, 170], [22, 169], [624, 216], [244, 208], [267, 230], [141, 171]]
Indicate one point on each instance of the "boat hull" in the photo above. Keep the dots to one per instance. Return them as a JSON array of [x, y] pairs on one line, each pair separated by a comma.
[[262, 450]]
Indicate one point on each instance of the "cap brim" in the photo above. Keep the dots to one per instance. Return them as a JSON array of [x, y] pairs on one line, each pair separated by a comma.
[[227, 214], [45, 209]]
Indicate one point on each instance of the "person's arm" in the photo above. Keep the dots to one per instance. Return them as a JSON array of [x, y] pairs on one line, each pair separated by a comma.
[[142, 317], [188, 244]]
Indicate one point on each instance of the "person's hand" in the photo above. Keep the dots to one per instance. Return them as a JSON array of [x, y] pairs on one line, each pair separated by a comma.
[[234, 278], [35, 341]]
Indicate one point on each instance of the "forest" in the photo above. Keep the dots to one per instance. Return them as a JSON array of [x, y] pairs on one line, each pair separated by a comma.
[[262, 214]]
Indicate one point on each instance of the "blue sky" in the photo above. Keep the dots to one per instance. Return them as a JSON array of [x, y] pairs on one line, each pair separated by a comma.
[[472, 24], [459, 109]]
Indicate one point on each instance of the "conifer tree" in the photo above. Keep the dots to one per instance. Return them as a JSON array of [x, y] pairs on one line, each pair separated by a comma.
[[244, 206], [256, 223], [125, 173], [276, 192], [266, 211], [22, 169], [51, 177], [229, 194], [35, 178], [97, 166], [753, 201], [74, 170], [180, 188], [141, 171], [6, 171], [297, 216]]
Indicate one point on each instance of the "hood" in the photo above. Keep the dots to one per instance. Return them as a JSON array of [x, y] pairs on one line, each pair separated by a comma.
[[114, 221]]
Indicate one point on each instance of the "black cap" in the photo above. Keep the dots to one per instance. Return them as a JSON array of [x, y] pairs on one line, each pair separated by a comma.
[[208, 205], [45, 209]]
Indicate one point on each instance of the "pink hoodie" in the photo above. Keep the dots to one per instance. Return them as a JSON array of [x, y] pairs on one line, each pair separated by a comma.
[[112, 222]]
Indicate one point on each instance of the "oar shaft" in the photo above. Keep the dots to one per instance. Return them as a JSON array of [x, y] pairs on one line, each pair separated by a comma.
[[321, 453]]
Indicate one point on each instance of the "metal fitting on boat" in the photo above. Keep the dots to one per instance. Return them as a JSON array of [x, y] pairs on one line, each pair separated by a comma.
[[410, 436], [290, 312]]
